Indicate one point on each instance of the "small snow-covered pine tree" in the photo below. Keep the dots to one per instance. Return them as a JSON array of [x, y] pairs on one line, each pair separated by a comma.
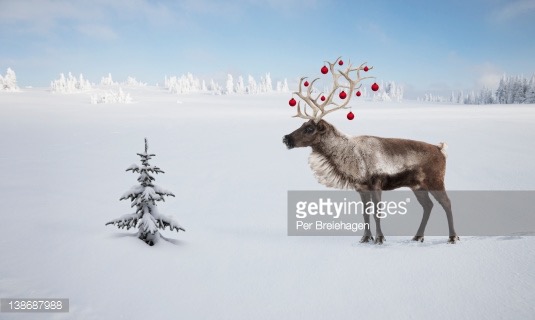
[[500, 92], [230, 85], [268, 83], [530, 92], [261, 87], [215, 88], [460, 97], [144, 197], [240, 86], [132, 82], [251, 85], [9, 81], [285, 86], [107, 81], [83, 84]]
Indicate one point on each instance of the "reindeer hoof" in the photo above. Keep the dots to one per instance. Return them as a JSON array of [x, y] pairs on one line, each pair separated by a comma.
[[379, 240], [418, 238], [453, 239], [366, 239]]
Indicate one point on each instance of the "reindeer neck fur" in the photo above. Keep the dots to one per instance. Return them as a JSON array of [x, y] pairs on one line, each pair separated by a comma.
[[335, 161]]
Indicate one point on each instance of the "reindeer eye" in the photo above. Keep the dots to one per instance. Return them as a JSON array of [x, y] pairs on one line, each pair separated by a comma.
[[309, 129]]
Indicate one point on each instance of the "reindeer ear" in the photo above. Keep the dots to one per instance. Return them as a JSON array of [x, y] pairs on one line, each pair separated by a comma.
[[321, 126]]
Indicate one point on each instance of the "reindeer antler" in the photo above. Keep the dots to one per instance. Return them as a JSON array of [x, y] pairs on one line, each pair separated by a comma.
[[320, 108]]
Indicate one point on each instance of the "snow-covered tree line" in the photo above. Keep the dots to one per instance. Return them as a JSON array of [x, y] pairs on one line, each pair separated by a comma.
[[264, 86], [71, 84], [388, 91], [130, 82], [184, 84], [429, 97], [484, 96], [111, 96], [190, 84], [511, 90], [516, 90], [9, 81]]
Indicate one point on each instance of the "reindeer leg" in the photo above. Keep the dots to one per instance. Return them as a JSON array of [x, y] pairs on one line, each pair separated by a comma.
[[365, 198], [422, 196], [444, 200], [376, 198]]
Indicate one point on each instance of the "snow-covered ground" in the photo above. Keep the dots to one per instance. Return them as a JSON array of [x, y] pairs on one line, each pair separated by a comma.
[[63, 166]]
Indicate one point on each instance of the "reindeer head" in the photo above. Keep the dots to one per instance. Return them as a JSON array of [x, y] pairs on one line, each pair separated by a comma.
[[307, 135], [310, 132]]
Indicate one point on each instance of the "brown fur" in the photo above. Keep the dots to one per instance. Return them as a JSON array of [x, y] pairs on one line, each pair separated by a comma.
[[367, 163]]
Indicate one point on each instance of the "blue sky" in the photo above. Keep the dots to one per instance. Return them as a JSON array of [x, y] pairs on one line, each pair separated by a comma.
[[428, 46]]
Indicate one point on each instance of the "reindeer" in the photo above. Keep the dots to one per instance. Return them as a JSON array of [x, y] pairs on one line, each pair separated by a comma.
[[368, 164]]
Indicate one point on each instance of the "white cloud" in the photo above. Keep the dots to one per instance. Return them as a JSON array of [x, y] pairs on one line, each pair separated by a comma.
[[46, 16], [99, 32], [153, 12], [37, 16], [514, 9], [92, 18], [488, 75]]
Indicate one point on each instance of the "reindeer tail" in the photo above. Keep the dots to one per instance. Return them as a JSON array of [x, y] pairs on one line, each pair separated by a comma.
[[442, 146]]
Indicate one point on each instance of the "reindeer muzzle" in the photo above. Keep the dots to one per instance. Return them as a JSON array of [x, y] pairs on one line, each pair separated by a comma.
[[288, 141]]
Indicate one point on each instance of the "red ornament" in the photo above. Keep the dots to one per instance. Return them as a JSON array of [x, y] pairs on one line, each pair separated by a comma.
[[375, 86], [350, 116], [358, 93], [366, 68], [340, 63], [292, 102], [324, 70], [322, 98], [343, 95], [306, 83]]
